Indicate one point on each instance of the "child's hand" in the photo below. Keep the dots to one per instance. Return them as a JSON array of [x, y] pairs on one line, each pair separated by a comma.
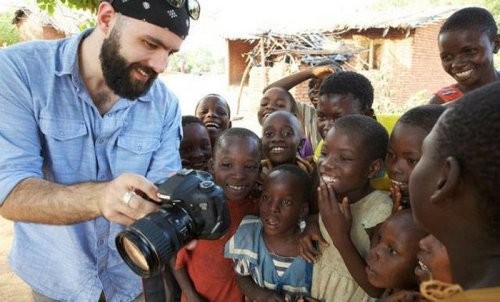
[[322, 72], [307, 239], [397, 203], [336, 216]]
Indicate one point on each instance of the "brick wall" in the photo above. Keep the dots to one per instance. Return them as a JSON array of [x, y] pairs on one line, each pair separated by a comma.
[[426, 65]]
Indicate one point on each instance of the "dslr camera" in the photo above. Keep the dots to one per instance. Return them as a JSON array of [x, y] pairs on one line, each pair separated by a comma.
[[192, 206]]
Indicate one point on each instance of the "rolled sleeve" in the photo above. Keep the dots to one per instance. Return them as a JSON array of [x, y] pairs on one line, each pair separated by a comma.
[[19, 136]]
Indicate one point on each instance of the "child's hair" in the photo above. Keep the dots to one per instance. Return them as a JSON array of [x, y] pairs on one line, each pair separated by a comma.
[[305, 180], [349, 82], [424, 116], [239, 133], [468, 131], [214, 95], [374, 137], [191, 119], [471, 17]]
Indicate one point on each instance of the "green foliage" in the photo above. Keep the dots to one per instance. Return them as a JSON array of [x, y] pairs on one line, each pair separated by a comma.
[[9, 34], [50, 5], [198, 60]]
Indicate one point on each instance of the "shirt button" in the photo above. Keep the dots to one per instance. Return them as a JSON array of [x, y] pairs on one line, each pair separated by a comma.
[[100, 242], [100, 141]]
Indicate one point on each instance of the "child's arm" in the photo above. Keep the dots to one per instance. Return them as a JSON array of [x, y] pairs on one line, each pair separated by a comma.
[[337, 220], [309, 236], [255, 293], [186, 285], [295, 79]]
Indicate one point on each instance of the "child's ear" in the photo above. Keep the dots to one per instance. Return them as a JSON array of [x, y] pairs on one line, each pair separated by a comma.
[[301, 144], [369, 112], [375, 168], [496, 44], [211, 166], [230, 125], [448, 181]]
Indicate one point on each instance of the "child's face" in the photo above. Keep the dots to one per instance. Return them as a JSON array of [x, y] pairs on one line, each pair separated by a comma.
[[214, 113], [332, 107], [235, 167], [403, 152], [393, 256], [195, 149], [467, 55], [313, 91], [280, 138], [346, 166], [433, 260], [281, 203], [273, 100]]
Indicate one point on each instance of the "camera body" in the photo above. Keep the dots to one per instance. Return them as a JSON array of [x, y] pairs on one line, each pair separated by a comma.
[[192, 207]]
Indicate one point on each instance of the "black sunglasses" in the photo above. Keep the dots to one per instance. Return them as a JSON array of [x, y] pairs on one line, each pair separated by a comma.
[[193, 7]]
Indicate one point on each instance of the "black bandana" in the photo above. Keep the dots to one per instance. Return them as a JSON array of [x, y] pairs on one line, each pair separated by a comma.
[[157, 12]]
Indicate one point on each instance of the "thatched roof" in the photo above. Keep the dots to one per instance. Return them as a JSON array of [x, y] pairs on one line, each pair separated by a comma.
[[404, 20]]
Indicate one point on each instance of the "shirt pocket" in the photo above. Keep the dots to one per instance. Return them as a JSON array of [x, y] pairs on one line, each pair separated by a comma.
[[134, 152], [63, 145]]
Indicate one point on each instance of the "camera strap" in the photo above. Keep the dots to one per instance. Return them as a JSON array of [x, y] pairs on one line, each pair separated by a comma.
[[153, 287]]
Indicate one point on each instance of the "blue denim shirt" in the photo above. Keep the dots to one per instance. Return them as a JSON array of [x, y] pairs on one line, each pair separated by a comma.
[[51, 129]]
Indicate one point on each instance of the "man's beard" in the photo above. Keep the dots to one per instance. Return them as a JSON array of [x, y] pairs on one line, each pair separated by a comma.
[[117, 71]]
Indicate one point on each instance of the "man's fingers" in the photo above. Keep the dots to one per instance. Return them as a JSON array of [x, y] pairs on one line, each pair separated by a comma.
[[138, 207]]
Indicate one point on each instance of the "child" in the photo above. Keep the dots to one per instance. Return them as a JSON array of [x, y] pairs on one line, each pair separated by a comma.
[[433, 268], [281, 141], [405, 148], [392, 258], [342, 93], [433, 260], [467, 43], [213, 110], [195, 148], [306, 112], [455, 193], [356, 147], [265, 249], [279, 99], [204, 273]]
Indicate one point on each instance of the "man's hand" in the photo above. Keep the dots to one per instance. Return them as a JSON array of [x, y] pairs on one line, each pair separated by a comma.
[[117, 207]]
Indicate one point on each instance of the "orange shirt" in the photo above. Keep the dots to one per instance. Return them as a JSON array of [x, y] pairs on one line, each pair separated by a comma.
[[213, 275], [450, 93]]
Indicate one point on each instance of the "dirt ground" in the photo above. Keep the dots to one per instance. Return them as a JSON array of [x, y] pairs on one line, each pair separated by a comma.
[[189, 89], [11, 287]]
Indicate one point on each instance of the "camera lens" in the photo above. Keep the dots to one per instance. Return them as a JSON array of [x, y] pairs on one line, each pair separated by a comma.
[[149, 243], [193, 206], [135, 254]]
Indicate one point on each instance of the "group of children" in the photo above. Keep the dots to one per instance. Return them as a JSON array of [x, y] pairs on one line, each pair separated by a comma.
[[307, 228]]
